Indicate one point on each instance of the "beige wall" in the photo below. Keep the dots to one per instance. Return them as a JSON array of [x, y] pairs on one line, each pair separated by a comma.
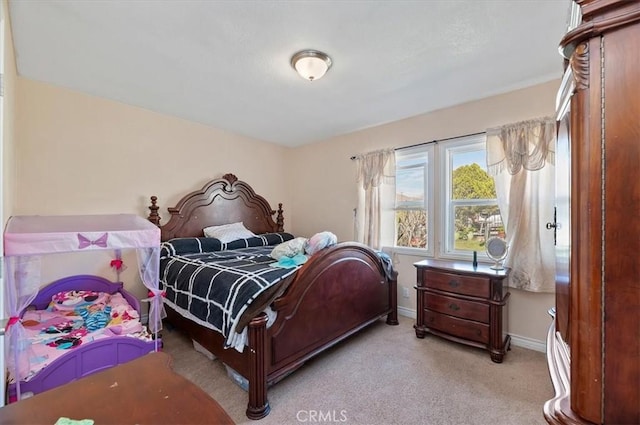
[[322, 181], [79, 154], [8, 112]]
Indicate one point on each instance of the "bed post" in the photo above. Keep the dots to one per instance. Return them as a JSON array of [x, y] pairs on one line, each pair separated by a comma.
[[258, 406], [154, 217], [280, 219], [392, 317]]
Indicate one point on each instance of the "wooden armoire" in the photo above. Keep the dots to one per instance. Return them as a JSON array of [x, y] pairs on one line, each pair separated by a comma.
[[593, 347]]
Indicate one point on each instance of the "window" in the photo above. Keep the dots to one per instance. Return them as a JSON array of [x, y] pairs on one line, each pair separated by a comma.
[[414, 198], [468, 211]]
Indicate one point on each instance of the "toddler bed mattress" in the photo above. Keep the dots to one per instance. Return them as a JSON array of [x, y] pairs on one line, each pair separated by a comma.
[[74, 318], [77, 326]]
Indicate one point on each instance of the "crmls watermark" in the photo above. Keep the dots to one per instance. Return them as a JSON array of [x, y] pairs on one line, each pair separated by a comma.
[[318, 416]]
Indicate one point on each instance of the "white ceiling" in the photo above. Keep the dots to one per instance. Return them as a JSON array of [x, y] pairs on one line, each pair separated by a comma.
[[227, 63]]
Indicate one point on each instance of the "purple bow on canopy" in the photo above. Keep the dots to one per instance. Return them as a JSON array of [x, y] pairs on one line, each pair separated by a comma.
[[84, 242]]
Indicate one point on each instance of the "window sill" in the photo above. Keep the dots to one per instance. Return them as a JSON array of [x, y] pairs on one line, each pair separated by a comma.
[[414, 252], [422, 253]]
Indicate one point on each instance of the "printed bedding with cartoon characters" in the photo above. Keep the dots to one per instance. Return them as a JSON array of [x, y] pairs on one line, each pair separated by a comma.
[[74, 318]]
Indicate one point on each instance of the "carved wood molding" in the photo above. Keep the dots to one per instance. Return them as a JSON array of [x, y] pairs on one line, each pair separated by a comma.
[[620, 13], [231, 178], [196, 210], [579, 63]]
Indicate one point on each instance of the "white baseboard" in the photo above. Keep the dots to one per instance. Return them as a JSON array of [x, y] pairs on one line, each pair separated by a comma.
[[529, 343], [407, 312], [516, 340]]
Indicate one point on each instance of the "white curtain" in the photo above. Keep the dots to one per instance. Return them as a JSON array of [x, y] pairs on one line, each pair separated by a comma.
[[521, 157], [374, 169]]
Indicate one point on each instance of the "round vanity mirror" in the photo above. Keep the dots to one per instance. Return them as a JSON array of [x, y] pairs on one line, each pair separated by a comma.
[[497, 251]]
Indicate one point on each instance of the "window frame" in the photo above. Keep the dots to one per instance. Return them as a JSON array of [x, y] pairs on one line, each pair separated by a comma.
[[448, 149], [441, 218], [429, 196]]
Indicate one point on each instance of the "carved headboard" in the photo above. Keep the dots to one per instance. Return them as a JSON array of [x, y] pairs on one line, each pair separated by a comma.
[[221, 201]]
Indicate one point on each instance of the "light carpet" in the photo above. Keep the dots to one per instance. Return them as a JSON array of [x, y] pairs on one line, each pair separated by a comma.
[[385, 375]]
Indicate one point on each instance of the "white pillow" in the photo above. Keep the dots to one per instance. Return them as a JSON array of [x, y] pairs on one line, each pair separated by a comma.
[[228, 232]]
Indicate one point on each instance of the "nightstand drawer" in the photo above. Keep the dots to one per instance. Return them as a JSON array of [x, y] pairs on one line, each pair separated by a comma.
[[470, 310], [462, 303], [459, 284], [473, 331]]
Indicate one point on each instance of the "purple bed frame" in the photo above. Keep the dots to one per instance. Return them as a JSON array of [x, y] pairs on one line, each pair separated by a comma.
[[87, 358]]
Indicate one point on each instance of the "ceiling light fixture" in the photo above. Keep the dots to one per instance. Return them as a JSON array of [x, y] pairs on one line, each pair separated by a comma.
[[311, 64]]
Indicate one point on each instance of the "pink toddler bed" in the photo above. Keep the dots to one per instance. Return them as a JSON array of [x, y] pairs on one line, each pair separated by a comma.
[[77, 326], [26, 240]]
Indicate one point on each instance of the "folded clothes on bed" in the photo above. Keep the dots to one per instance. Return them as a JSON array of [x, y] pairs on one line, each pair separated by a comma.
[[289, 248], [290, 262], [320, 241]]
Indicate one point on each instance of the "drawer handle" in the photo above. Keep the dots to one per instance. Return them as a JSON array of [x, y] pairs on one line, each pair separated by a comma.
[[479, 332], [432, 319], [454, 283], [454, 307]]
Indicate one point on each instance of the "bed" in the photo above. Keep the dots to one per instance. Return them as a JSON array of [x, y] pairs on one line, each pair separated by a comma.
[[67, 345], [26, 240], [313, 311]]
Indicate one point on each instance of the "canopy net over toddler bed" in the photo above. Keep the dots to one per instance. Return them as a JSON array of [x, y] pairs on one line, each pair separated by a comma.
[[28, 238]]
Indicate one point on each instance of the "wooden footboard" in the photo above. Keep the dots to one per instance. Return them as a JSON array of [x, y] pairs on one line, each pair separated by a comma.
[[333, 295]]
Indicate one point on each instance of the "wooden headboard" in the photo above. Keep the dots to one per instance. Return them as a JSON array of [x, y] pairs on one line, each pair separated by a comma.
[[221, 201]]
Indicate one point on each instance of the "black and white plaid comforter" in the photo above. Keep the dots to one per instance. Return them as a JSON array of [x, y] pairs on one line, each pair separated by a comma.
[[214, 287]]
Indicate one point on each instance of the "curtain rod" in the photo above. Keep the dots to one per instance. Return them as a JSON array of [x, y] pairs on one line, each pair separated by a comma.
[[432, 141]]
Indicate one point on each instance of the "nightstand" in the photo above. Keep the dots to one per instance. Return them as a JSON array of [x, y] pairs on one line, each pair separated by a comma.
[[464, 304]]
